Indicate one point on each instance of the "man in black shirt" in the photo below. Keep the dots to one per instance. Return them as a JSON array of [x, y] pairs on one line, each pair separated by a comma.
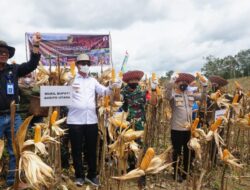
[[9, 74]]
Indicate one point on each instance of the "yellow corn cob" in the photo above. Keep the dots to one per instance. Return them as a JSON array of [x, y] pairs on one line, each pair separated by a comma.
[[153, 76], [195, 124], [120, 74], [53, 117], [130, 137], [236, 97], [238, 86], [120, 124], [147, 158], [214, 127], [113, 75], [158, 91], [218, 121], [37, 137], [226, 154], [106, 101], [72, 68], [201, 78]]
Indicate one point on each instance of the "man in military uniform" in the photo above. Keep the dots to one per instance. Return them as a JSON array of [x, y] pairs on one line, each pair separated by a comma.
[[134, 99]]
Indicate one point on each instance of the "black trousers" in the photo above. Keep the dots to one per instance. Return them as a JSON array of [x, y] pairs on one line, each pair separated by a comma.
[[179, 141], [87, 134]]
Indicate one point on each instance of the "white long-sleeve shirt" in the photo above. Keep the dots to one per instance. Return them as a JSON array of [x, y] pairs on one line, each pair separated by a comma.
[[83, 108]]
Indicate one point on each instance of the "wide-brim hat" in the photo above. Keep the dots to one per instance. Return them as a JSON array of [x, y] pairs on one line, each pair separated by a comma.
[[10, 49], [132, 75], [217, 80], [185, 77]]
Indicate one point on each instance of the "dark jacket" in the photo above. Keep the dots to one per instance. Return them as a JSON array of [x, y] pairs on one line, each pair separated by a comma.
[[10, 74]]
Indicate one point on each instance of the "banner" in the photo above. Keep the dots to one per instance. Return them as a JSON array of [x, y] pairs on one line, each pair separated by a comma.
[[64, 48]]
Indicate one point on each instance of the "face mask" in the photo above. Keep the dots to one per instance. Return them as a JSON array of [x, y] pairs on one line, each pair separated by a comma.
[[183, 87], [192, 88], [132, 85], [27, 80], [84, 68]]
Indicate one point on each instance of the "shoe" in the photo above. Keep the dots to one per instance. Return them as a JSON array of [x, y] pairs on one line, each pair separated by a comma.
[[94, 181], [79, 182]]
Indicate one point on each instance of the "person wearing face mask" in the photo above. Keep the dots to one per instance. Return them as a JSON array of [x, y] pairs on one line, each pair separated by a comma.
[[9, 75], [181, 101], [134, 102], [82, 120], [134, 98]]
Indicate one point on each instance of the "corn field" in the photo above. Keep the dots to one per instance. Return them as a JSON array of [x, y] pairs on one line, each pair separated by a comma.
[[221, 148]]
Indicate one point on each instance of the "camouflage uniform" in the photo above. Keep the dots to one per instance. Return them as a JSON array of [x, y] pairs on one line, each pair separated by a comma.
[[134, 104]]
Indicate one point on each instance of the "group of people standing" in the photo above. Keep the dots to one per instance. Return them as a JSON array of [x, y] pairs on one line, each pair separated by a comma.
[[82, 118]]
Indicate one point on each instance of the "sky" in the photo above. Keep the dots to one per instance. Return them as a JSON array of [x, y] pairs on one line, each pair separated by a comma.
[[159, 35]]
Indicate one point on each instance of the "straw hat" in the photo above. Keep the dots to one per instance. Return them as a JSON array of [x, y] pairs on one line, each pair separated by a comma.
[[185, 77], [218, 81], [132, 75]]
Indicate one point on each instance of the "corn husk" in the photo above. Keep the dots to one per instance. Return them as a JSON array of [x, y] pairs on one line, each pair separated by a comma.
[[37, 173], [157, 164], [195, 145], [1, 147], [229, 159]]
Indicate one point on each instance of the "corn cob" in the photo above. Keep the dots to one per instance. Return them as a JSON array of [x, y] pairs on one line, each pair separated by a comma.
[[218, 121], [120, 124], [72, 68], [195, 124], [216, 95], [147, 158], [120, 74], [201, 78], [53, 117], [37, 137], [153, 76], [113, 75], [238, 86], [214, 127], [226, 154], [106, 101], [158, 91], [235, 100]]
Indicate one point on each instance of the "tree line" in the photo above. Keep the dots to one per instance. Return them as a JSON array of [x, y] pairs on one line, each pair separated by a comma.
[[227, 67]]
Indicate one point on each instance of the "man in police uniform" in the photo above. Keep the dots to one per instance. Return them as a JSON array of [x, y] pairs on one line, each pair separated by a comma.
[[181, 101], [9, 74]]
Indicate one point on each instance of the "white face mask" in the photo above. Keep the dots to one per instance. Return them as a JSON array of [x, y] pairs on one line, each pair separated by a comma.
[[192, 88], [84, 68]]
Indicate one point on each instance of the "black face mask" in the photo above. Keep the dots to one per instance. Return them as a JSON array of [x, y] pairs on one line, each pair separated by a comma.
[[132, 85], [183, 87]]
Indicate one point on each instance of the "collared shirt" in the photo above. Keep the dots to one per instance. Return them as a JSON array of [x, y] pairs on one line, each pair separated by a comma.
[[181, 105], [83, 109]]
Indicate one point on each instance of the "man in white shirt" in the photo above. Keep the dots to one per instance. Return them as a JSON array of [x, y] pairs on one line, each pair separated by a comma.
[[82, 120]]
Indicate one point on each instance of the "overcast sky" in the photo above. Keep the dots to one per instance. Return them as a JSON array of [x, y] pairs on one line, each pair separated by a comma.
[[159, 35]]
